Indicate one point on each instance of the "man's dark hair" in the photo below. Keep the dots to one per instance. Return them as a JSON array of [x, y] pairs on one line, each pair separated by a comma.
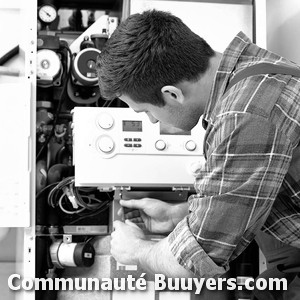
[[148, 51]]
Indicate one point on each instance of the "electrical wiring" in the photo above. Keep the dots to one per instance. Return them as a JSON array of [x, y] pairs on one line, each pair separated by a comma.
[[83, 203], [87, 189], [45, 189], [72, 200], [93, 199], [69, 212], [105, 206], [57, 189]]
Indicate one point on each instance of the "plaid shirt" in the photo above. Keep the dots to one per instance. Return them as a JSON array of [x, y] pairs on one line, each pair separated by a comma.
[[250, 180]]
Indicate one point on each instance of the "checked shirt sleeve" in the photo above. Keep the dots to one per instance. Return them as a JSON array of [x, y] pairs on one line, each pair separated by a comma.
[[247, 159]]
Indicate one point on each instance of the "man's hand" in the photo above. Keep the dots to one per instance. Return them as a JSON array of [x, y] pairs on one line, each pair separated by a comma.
[[129, 246], [157, 216], [126, 242]]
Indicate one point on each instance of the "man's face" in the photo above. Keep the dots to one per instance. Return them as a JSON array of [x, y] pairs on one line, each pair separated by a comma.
[[175, 115]]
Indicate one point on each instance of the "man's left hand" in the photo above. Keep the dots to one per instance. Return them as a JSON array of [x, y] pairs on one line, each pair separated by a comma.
[[126, 242]]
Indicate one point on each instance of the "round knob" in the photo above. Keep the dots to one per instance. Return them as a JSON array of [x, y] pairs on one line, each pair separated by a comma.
[[190, 145], [105, 121], [160, 145], [106, 144]]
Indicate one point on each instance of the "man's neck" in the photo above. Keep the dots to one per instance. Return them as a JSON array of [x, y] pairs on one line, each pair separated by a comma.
[[206, 81], [197, 93]]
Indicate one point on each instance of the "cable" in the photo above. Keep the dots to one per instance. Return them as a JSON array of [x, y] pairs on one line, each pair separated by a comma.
[[53, 193], [44, 189], [105, 206], [10, 54], [69, 212], [83, 203], [87, 189]]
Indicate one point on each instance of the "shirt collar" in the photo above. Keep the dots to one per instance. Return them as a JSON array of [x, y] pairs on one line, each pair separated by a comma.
[[227, 65]]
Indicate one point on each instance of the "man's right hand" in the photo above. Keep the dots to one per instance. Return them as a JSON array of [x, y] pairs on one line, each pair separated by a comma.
[[156, 215]]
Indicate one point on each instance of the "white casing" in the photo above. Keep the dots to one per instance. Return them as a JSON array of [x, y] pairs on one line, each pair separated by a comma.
[[101, 157]]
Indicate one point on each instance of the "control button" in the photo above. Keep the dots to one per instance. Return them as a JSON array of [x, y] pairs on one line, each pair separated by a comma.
[[160, 145], [127, 145], [128, 139], [137, 145], [137, 140], [105, 121], [190, 145], [106, 144]]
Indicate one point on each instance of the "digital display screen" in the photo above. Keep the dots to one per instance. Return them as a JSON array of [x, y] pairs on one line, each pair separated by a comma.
[[136, 126], [169, 130]]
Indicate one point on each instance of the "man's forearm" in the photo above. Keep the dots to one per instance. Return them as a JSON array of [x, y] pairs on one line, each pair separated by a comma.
[[178, 212], [156, 257]]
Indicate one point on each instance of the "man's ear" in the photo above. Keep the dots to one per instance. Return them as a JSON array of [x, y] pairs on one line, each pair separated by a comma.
[[172, 93]]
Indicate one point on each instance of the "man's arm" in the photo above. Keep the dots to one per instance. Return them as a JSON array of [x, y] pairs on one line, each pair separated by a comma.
[[129, 245], [247, 159], [156, 257]]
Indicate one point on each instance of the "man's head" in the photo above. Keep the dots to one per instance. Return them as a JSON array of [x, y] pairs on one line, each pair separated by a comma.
[[147, 55]]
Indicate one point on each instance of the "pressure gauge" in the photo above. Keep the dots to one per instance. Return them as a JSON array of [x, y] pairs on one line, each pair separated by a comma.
[[47, 13]]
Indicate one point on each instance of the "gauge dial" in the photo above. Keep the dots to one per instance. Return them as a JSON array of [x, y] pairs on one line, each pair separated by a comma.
[[47, 13]]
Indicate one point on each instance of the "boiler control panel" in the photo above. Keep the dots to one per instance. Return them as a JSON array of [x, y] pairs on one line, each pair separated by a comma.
[[119, 147]]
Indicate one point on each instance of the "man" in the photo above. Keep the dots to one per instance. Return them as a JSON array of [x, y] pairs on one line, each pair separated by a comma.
[[157, 65]]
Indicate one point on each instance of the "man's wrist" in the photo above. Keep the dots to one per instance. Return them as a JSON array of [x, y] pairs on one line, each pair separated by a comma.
[[145, 247], [156, 257], [178, 212]]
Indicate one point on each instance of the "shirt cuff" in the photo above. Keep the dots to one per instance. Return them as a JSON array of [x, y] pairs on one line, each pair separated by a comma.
[[190, 254]]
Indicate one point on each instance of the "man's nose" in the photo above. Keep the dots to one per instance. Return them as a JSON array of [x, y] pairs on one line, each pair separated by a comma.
[[151, 118]]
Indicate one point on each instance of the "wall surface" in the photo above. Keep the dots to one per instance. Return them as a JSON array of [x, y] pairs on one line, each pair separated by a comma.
[[214, 21], [283, 28]]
